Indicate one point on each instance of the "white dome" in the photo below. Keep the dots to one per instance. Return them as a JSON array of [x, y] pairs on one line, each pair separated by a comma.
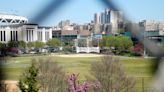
[[12, 19]]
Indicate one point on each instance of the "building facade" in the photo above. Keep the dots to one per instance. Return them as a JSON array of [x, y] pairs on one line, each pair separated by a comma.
[[16, 28], [25, 32]]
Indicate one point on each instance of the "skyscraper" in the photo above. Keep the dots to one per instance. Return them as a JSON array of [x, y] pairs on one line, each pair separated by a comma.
[[97, 18], [107, 15], [102, 17]]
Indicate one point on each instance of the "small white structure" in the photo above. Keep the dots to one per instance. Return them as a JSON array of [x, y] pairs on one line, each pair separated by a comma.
[[85, 45], [88, 49]]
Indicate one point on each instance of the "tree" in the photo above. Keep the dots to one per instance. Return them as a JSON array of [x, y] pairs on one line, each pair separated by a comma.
[[2, 45], [111, 76], [117, 44], [82, 42], [51, 76], [30, 44], [138, 49], [123, 44], [68, 43], [83, 87], [12, 44], [53, 42], [39, 44], [28, 81], [121, 30], [22, 44]]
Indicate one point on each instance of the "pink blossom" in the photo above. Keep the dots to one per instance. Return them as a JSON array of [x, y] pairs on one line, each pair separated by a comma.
[[73, 87]]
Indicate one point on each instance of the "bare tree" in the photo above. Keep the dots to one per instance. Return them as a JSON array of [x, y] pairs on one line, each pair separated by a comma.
[[111, 75], [51, 76]]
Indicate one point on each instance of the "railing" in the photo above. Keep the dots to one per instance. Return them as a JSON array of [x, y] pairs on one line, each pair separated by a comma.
[[87, 49]]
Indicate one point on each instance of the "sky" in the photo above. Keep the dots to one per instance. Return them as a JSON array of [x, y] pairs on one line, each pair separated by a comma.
[[82, 11]]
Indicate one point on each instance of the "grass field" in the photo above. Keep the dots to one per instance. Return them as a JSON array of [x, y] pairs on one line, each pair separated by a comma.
[[138, 67], [134, 66]]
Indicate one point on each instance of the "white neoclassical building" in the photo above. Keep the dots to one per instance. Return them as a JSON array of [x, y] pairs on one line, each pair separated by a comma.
[[16, 28]]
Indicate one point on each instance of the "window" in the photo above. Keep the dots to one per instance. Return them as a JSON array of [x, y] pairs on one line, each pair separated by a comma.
[[29, 31], [4, 36], [32, 34], [11, 36], [1, 35], [16, 35], [27, 35]]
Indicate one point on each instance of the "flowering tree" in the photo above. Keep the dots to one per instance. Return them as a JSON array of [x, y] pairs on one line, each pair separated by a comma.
[[137, 49], [74, 87]]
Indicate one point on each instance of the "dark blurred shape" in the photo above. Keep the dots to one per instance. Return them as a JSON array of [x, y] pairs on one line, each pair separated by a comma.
[[109, 4], [2, 73], [48, 10]]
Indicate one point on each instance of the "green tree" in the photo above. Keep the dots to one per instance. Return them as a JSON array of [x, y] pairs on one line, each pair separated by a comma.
[[119, 43], [28, 81], [30, 44], [12, 44], [124, 44], [22, 44], [68, 43], [39, 44], [2, 45], [103, 42], [82, 42], [53, 42], [121, 30]]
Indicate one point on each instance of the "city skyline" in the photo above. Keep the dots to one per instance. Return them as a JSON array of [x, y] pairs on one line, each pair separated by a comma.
[[76, 12]]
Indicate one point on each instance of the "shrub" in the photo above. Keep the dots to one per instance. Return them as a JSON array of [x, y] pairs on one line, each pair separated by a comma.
[[51, 76], [111, 75], [118, 44], [53, 42], [137, 50], [28, 81], [83, 87]]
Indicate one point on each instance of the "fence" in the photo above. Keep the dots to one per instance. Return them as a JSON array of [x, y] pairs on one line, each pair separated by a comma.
[[87, 49], [156, 50]]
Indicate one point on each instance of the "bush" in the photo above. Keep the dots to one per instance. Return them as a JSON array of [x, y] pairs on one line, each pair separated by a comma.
[[43, 75], [68, 50], [30, 44], [39, 44], [83, 87], [2, 45], [53, 42], [28, 81], [111, 75], [137, 50], [117, 44], [12, 44], [51, 76]]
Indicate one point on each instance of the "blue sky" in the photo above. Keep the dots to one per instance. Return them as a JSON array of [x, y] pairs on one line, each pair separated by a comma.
[[81, 11]]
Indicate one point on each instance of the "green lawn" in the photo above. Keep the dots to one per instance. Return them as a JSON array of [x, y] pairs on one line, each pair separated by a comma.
[[137, 67]]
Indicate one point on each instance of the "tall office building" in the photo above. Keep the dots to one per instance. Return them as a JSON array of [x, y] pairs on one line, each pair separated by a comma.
[[109, 17], [97, 18], [64, 23], [102, 17]]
